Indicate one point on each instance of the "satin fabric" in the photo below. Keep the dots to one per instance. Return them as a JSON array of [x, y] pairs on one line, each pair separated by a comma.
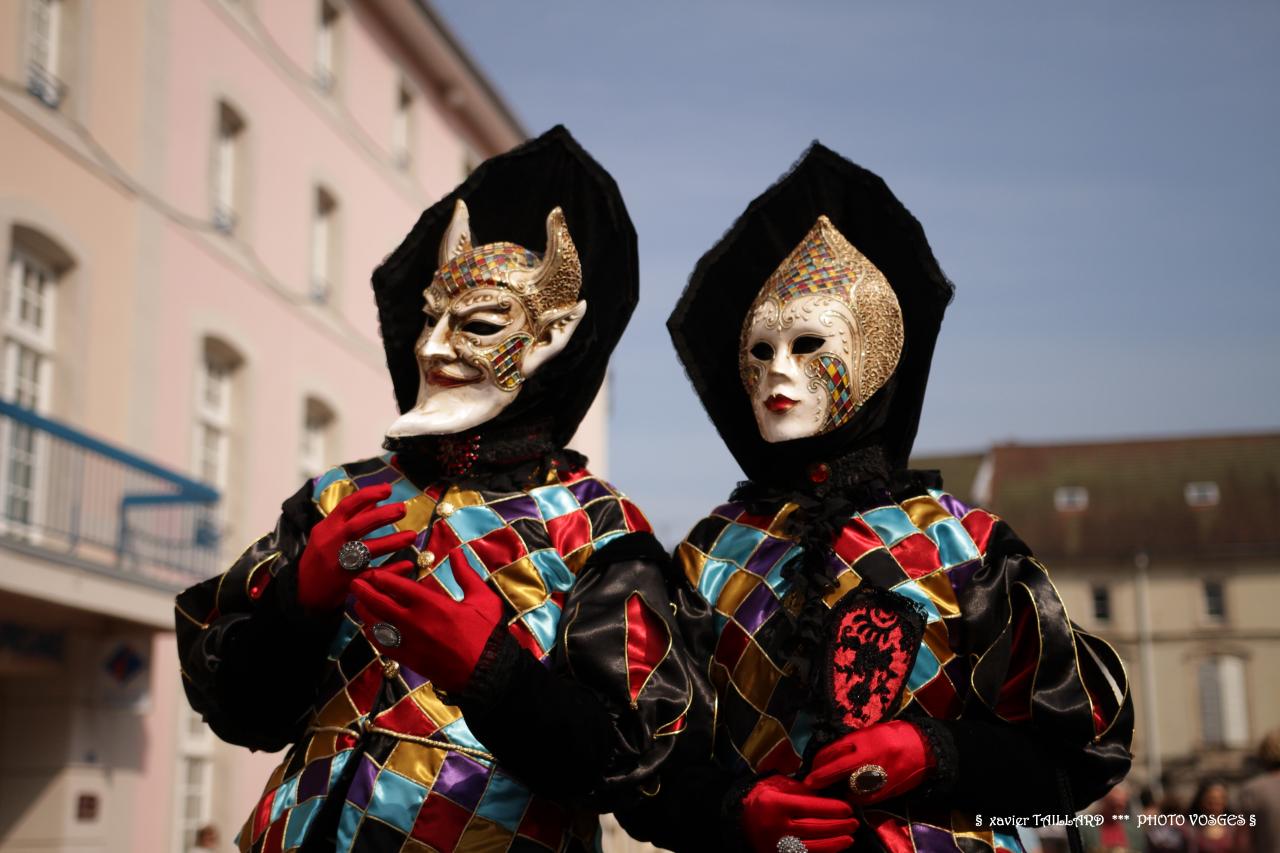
[[1005, 743], [532, 751]]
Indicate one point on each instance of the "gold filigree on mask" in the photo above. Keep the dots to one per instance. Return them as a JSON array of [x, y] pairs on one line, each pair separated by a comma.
[[547, 286], [825, 263]]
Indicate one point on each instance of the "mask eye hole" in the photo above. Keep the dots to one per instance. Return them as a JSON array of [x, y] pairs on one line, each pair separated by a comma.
[[431, 321], [806, 344], [480, 327], [762, 351]]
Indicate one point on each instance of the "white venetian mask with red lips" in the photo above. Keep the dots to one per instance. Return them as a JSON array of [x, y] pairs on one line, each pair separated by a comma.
[[494, 315], [822, 336]]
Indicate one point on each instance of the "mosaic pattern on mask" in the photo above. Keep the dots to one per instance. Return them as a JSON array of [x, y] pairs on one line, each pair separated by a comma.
[[835, 375], [811, 268], [506, 358], [485, 266]]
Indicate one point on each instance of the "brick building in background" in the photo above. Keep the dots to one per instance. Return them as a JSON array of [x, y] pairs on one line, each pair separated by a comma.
[[192, 196], [1170, 550]]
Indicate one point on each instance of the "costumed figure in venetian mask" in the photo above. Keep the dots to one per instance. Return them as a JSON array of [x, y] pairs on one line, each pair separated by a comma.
[[889, 663], [466, 642]]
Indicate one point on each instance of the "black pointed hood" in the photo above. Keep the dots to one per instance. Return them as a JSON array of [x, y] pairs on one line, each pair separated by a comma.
[[509, 197], [707, 320]]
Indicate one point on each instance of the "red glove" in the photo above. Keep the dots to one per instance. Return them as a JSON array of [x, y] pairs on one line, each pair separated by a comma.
[[779, 805], [322, 583], [440, 638], [897, 748]]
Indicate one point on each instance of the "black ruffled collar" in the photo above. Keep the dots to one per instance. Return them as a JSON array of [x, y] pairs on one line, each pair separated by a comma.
[[506, 458]]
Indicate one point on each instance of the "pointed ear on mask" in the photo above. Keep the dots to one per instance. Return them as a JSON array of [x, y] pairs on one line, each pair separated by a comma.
[[560, 328]]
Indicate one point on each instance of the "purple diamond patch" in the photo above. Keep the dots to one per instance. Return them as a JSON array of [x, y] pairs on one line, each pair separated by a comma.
[[462, 780]]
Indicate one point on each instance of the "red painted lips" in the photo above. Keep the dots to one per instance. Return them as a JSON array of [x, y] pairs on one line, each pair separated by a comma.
[[779, 403], [444, 380]]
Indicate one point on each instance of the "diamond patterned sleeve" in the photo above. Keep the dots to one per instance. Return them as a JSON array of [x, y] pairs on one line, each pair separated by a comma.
[[1037, 671], [249, 659]]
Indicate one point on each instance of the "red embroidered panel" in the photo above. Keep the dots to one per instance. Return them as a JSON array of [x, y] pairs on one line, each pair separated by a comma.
[[873, 643]]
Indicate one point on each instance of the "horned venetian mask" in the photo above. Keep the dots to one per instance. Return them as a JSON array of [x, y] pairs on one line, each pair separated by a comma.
[[494, 315], [822, 336]]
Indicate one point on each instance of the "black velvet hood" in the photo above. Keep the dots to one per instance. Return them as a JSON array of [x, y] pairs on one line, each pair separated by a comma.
[[509, 197], [707, 320]]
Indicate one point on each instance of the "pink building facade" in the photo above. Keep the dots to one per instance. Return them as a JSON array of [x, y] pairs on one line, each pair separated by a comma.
[[193, 194]]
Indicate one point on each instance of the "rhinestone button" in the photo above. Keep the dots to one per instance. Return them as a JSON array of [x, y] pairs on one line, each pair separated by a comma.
[[445, 509], [426, 560]]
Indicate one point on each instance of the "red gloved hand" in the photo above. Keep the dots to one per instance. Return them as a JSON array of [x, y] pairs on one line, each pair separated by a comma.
[[897, 748], [322, 583], [440, 638], [779, 805]]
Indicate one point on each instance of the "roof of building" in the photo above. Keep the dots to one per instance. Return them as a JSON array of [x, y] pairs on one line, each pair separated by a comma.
[[481, 79], [467, 95], [959, 470], [1208, 497]]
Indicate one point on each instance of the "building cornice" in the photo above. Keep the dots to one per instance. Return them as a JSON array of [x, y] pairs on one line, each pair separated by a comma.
[[462, 88]]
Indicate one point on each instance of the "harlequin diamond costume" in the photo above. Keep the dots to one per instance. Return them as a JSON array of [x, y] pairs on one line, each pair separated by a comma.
[[466, 642], [889, 663]]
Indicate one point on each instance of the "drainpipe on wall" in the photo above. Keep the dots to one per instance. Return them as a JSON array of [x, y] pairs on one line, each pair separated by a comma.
[[1146, 659]]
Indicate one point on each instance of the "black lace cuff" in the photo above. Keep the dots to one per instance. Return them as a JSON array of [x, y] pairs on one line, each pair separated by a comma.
[[732, 832], [946, 760], [491, 678]]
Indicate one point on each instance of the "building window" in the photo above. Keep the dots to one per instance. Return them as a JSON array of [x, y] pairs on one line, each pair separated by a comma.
[[1101, 603], [316, 446], [228, 168], [1071, 499], [326, 45], [324, 227], [45, 51], [195, 777], [215, 406], [401, 127], [1215, 601], [1223, 721], [1202, 494], [29, 332]]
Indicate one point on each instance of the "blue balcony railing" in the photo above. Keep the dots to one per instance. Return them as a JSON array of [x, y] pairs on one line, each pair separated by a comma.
[[72, 497]]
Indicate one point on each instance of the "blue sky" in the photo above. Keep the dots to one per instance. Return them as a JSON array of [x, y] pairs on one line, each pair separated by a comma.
[[1100, 181]]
